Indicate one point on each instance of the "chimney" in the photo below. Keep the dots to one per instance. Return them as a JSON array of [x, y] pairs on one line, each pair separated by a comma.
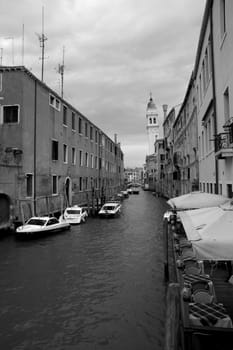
[[165, 111], [115, 138]]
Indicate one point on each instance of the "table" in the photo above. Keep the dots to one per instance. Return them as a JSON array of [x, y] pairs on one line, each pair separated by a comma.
[[211, 315], [189, 278]]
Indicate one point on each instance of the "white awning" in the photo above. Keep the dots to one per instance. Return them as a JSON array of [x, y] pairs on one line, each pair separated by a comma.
[[211, 231], [195, 200]]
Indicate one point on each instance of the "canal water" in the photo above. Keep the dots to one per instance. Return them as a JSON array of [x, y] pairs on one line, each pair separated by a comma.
[[98, 286]]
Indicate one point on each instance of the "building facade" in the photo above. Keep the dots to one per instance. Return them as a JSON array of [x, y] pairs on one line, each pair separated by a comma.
[[201, 136], [134, 175], [51, 155], [222, 27], [185, 145], [159, 167]]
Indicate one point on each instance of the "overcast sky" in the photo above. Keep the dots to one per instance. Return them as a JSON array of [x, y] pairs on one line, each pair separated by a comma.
[[116, 53]]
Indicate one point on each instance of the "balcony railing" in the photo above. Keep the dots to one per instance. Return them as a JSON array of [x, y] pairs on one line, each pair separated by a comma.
[[224, 145]]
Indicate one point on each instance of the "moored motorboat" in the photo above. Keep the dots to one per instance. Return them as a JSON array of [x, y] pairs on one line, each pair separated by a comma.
[[75, 215], [110, 209], [135, 190], [41, 226], [125, 193]]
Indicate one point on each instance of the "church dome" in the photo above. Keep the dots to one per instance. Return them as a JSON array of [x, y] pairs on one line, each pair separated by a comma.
[[151, 104]]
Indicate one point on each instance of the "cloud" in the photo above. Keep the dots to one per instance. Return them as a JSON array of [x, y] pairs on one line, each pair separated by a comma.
[[116, 53]]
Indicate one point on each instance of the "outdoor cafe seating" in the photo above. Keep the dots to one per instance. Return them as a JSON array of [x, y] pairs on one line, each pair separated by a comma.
[[210, 315], [198, 290]]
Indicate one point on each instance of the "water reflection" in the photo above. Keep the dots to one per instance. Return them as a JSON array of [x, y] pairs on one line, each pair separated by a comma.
[[97, 286]]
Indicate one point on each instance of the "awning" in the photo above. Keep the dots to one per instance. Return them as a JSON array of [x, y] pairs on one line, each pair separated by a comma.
[[196, 200], [211, 231]]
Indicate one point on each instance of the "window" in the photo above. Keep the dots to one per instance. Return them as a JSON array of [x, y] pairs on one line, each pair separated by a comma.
[[80, 157], [231, 133], [80, 183], [64, 115], [229, 191], [54, 150], [86, 183], [96, 162], [86, 129], [222, 17], [54, 102], [80, 127], [29, 185], [200, 88], [202, 144], [204, 76], [96, 136], [91, 132], [211, 188], [52, 221], [65, 153], [154, 120], [0, 81], [73, 155], [86, 159], [58, 104], [220, 188], [226, 105], [73, 120], [54, 184], [92, 161], [10, 114]]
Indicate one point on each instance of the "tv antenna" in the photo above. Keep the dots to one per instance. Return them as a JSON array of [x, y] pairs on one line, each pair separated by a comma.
[[61, 68], [42, 39]]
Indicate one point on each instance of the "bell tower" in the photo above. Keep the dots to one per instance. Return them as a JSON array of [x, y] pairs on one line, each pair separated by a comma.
[[152, 126]]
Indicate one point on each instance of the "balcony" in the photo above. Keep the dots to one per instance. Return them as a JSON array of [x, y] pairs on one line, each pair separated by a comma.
[[224, 145]]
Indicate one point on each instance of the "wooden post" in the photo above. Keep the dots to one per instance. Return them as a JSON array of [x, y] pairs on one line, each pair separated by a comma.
[[172, 317]]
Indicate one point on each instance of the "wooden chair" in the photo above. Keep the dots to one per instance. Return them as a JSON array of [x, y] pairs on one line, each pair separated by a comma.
[[203, 292]]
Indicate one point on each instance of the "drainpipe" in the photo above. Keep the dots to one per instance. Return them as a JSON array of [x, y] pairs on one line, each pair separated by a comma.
[[214, 98], [34, 139]]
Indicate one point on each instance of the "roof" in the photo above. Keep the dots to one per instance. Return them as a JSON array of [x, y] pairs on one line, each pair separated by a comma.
[[23, 69], [151, 104]]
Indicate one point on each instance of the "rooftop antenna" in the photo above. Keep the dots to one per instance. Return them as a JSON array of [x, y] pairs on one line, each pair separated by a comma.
[[61, 68], [42, 39]]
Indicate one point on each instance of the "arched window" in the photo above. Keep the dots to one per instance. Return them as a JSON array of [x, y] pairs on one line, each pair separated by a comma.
[[154, 120], [150, 120]]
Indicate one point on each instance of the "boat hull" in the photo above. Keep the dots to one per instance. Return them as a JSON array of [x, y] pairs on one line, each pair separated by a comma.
[[34, 233]]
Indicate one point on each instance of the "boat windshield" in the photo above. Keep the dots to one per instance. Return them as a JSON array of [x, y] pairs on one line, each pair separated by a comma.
[[109, 207], [73, 211], [39, 222]]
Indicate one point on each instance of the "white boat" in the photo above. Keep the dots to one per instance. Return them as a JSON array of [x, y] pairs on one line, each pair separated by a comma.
[[41, 226], [110, 209], [125, 193], [135, 190], [75, 214]]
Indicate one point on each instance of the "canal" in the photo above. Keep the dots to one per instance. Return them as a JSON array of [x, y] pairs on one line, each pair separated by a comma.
[[98, 286]]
